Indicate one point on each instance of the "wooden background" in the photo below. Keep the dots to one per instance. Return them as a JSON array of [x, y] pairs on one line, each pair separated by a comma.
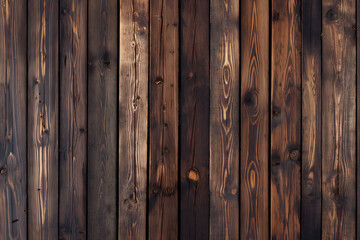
[[179, 119]]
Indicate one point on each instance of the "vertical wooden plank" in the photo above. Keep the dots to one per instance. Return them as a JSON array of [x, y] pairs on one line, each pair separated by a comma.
[[224, 119], [285, 119], [311, 121], [358, 115], [133, 118], [43, 113], [163, 139], [254, 119], [73, 122], [13, 120], [194, 119], [338, 119], [102, 119]]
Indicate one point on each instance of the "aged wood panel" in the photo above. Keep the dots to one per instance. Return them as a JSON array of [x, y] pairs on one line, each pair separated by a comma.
[[133, 118], [311, 121], [73, 119], [285, 119], [13, 223], [358, 115], [43, 114], [194, 119], [338, 119], [254, 119], [224, 119], [102, 119], [163, 139]]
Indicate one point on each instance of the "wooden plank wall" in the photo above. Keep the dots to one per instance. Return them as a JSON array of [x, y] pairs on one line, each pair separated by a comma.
[[179, 119]]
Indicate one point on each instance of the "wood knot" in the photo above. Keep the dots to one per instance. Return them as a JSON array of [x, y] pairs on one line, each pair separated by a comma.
[[276, 111], [191, 75], [193, 175], [276, 16], [105, 59], [295, 155], [250, 99], [3, 171], [332, 14], [159, 80]]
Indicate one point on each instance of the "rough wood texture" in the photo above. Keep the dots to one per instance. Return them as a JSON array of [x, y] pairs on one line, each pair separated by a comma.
[[133, 118], [338, 119], [73, 121], [285, 119], [194, 119], [254, 119], [102, 119], [43, 114], [224, 119], [163, 139], [13, 120], [311, 121]]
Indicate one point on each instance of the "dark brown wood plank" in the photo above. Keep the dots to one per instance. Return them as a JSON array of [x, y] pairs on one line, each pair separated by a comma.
[[255, 81], [194, 119], [338, 119], [311, 121], [224, 119], [13, 223], [133, 118], [285, 119], [102, 119], [73, 119], [163, 114], [358, 115], [43, 114]]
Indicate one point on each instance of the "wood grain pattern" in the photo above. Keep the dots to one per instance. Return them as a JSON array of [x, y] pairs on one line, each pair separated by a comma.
[[163, 110], [73, 120], [102, 119], [13, 223], [285, 119], [43, 114], [254, 119], [224, 119], [133, 118], [194, 119], [338, 120], [311, 121]]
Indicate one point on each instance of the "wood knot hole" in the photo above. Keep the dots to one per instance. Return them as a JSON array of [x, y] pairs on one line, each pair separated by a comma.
[[193, 175], [3, 171], [295, 155], [159, 80], [332, 14]]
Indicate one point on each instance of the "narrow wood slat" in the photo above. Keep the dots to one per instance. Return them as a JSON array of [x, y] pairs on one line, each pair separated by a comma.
[[102, 119], [163, 139], [13, 220], [224, 119], [254, 119], [194, 119], [338, 119], [43, 114], [358, 115], [133, 118], [285, 119], [311, 121], [73, 120]]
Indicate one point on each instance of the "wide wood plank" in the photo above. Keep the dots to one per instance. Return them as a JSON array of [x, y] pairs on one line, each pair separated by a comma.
[[73, 119], [102, 119], [285, 119], [311, 121], [13, 120], [224, 119], [163, 139], [43, 114], [338, 119], [133, 118], [254, 119], [194, 119]]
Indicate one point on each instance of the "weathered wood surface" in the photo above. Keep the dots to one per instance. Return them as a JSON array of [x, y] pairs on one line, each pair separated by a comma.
[[43, 114], [194, 119], [285, 120], [102, 119], [224, 119], [311, 121], [338, 119], [358, 116], [163, 117], [254, 214], [13, 181], [133, 118], [73, 119]]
